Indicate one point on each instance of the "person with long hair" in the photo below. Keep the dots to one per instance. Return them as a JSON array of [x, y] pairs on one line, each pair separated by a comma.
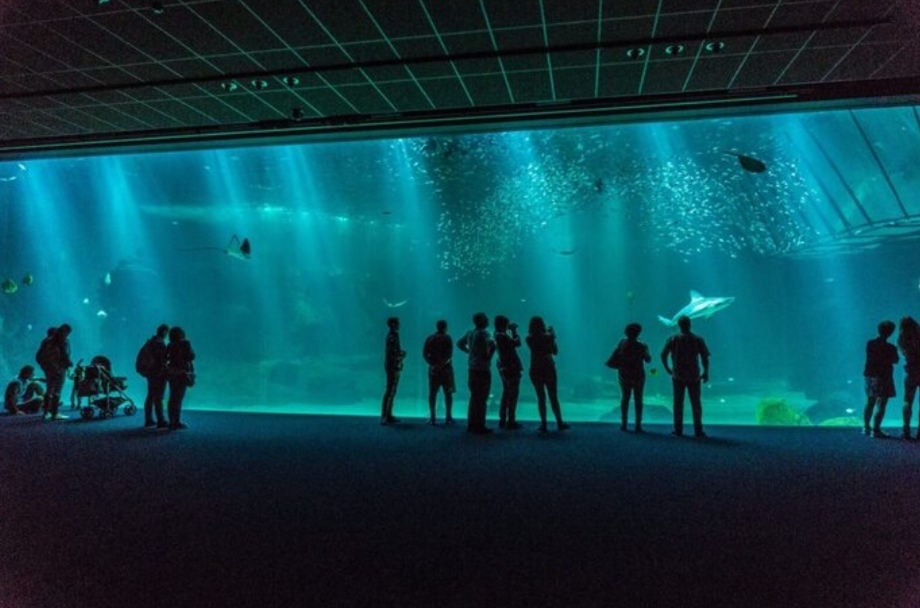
[[180, 373], [510, 369], [909, 343], [541, 340]]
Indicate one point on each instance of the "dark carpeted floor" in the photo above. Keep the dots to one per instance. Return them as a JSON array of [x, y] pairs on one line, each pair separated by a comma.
[[319, 511]]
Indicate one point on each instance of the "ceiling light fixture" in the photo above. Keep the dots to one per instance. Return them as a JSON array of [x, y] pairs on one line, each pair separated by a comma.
[[157, 8], [675, 49], [290, 81], [714, 47], [635, 53], [259, 85], [230, 87]]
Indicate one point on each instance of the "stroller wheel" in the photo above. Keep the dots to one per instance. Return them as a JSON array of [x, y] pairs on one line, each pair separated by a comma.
[[86, 413], [130, 409]]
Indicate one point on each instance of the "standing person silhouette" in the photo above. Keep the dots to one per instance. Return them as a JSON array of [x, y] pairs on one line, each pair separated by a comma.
[[180, 374], [542, 343], [392, 365], [630, 357], [439, 353], [510, 369], [687, 350], [54, 358], [881, 357], [151, 364], [480, 346], [909, 343]]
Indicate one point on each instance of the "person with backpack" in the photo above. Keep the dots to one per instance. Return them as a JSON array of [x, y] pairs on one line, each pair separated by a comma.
[[151, 364], [53, 357]]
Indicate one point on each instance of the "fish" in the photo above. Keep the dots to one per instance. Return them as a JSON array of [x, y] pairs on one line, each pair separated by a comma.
[[241, 253], [107, 279], [749, 163], [28, 279], [698, 307], [9, 286], [395, 304]]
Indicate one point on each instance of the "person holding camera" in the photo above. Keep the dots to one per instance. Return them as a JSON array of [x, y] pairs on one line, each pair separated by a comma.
[[510, 369], [542, 343]]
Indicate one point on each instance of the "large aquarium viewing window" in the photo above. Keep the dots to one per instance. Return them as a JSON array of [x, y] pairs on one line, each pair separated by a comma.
[[809, 221]]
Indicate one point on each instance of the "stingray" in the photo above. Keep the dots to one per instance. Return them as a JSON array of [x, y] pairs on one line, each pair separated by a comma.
[[395, 304], [748, 163], [235, 248]]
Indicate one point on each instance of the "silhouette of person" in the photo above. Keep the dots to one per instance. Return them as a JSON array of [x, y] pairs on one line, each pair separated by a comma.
[[881, 357], [510, 370], [630, 356], [154, 361], [481, 347], [180, 367], [55, 361], [909, 343], [542, 343], [392, 365], [24, 395], [439, 353], [686, 350]]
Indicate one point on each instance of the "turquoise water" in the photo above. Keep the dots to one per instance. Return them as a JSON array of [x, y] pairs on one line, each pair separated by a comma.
[[589, 227]]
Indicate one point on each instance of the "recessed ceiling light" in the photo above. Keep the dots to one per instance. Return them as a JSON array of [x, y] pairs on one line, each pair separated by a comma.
[[290, 81], [259, 85], [675, 49], [230, 87], [157, 8], [101, 2], [635, 53], [714, 47]]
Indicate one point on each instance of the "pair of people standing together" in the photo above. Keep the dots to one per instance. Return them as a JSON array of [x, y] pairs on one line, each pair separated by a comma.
[[161, 364], [686, 350]]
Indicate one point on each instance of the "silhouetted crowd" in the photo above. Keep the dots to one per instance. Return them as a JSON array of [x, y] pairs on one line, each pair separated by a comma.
[[685, 357]]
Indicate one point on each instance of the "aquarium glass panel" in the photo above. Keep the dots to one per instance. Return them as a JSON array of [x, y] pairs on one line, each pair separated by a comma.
[[795, 233]]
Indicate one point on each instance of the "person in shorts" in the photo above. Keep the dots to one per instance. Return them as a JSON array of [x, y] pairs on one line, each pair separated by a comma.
[[881, 357]]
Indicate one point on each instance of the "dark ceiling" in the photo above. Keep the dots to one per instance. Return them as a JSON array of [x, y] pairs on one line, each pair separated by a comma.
[[81, 73]]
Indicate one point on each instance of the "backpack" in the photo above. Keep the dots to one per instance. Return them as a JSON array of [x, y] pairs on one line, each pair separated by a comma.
[[616, 359], [47, 353], [144, 362]]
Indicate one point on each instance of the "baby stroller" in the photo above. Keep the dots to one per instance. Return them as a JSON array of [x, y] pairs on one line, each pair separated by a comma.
[[96, 384]]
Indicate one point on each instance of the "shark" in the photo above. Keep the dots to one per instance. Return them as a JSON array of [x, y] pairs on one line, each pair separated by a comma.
[[699, 306]]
